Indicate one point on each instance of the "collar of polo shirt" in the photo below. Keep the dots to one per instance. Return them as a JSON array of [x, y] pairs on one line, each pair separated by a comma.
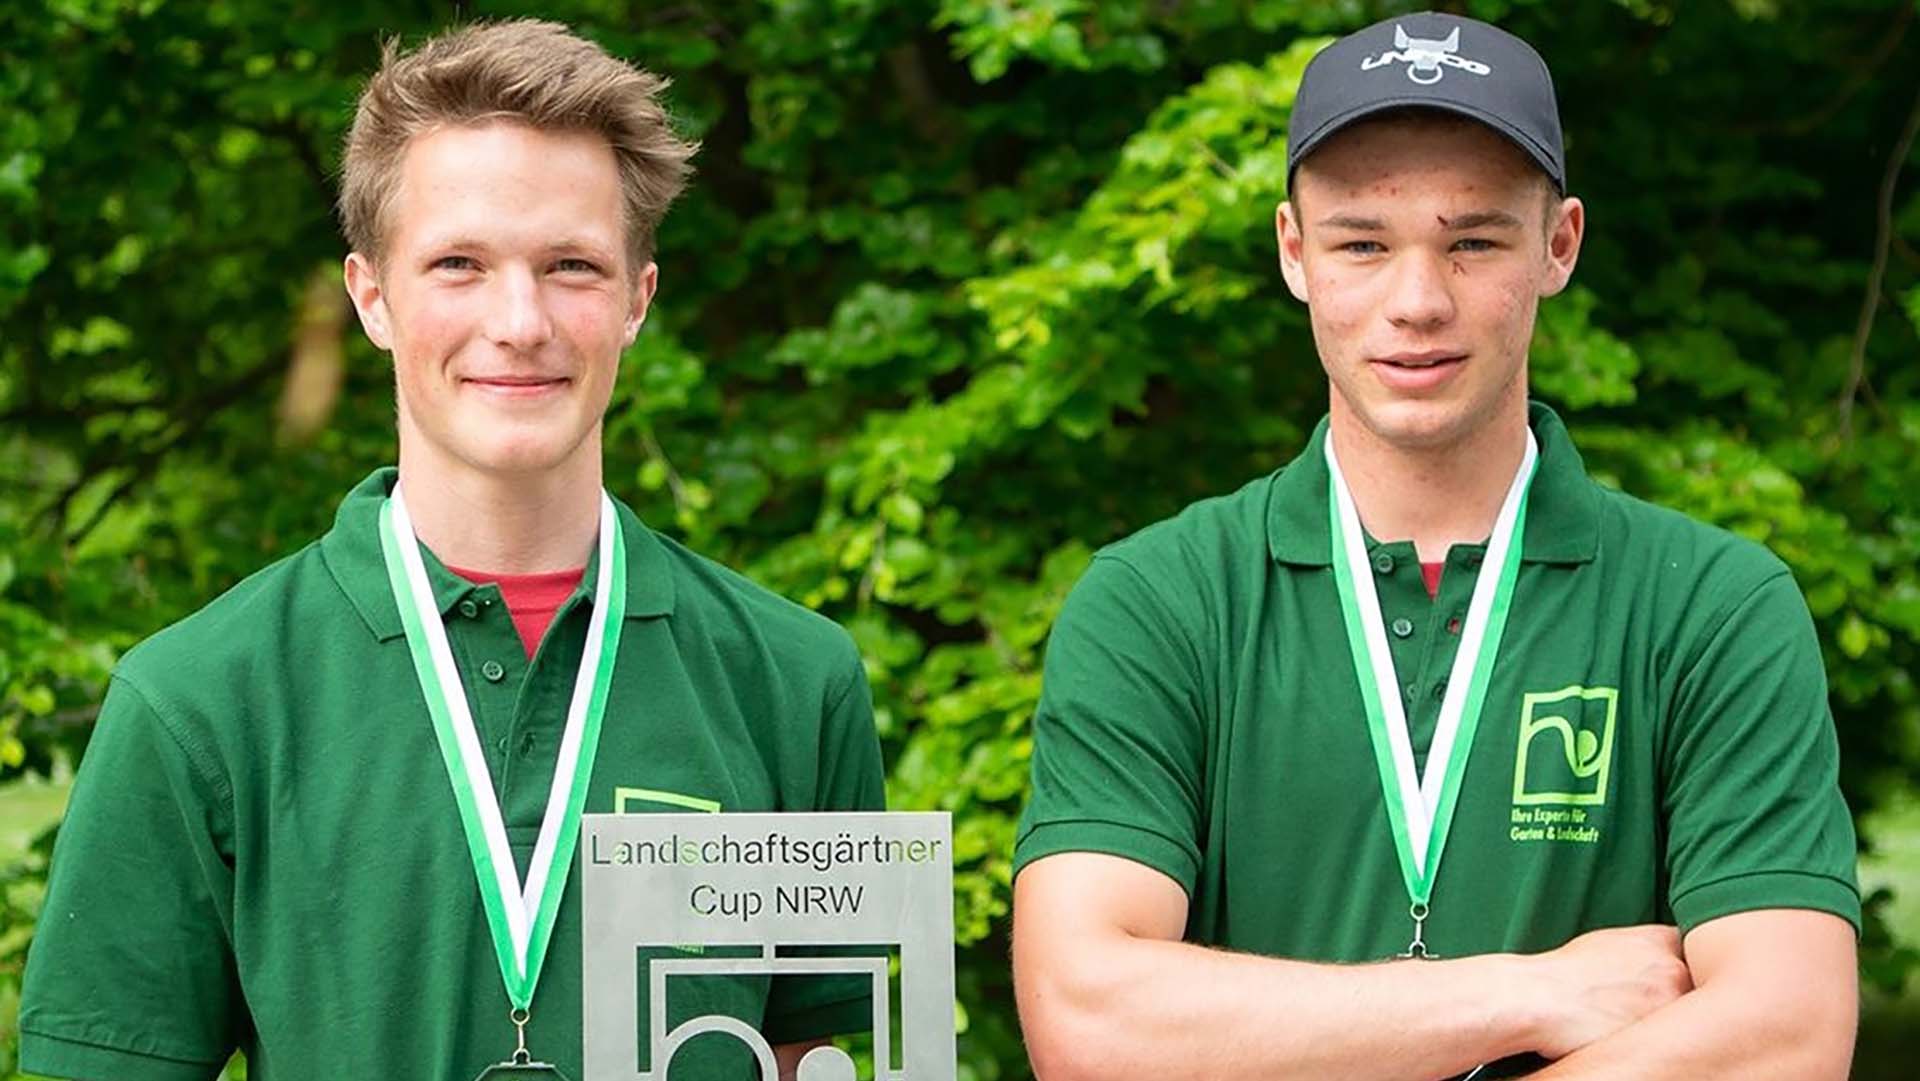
[[352, 554], [1563, 508]]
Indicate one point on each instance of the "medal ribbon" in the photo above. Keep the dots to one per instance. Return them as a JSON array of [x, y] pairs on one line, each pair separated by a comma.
[[1420, 808], [520, 917]]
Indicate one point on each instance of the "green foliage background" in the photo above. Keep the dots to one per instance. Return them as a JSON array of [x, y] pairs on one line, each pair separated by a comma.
[[963, 290]]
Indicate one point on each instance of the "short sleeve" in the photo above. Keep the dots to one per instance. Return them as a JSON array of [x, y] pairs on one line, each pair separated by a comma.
[[851, 779], [1753, 808], [1119, 737], [131, 975]]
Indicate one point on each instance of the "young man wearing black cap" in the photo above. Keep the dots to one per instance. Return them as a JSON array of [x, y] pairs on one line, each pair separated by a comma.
[[1267, 720]]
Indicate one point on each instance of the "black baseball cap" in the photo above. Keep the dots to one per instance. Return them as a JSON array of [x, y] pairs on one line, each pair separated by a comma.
[[1433, 61]]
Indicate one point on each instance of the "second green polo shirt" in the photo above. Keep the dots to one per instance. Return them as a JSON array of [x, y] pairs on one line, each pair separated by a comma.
[[263, 849], [1655, 744]]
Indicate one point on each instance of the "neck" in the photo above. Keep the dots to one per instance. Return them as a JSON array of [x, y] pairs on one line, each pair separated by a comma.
[[1437, 496], [517, 524]]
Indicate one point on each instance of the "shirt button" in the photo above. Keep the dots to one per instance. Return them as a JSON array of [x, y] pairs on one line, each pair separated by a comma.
[[500, 745], [1402, 627], [1383, 563], [495, 673], [1440, 690], [469, 609]]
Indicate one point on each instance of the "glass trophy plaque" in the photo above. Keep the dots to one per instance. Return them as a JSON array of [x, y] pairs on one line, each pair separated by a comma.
[[685, 915]]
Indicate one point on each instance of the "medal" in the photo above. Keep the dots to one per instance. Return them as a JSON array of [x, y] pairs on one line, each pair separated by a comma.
[[521, 1064], [1420, 807], [520, 917]]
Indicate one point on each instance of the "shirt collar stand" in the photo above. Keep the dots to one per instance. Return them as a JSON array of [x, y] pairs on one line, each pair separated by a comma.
[[352, 553], [1563, 510]]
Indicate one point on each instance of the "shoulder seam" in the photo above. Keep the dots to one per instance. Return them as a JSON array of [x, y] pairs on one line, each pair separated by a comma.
[[196, 755], [851, 672], [1725, 616], [1166, 610]]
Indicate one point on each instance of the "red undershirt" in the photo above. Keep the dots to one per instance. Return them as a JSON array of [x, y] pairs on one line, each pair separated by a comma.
[[1430, 573], [531, 599]]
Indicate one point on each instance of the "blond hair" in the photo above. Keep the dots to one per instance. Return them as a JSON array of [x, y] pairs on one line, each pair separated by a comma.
[[522, 70]]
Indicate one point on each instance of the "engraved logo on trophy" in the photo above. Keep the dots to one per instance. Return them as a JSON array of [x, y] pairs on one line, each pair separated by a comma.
[[687, 919]]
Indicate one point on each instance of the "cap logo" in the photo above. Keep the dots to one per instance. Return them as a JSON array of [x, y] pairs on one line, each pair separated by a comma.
[[1424, 57]]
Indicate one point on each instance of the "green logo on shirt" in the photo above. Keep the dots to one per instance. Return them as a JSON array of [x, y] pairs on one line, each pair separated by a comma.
[[1566, 746], [625, 798]]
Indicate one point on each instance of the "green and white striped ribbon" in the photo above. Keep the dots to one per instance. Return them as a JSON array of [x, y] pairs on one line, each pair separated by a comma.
[[520, 917], [1420, 807]]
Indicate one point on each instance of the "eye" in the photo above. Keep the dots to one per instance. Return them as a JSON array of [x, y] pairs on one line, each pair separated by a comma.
[[576, 266], [455, 262], [1363, 247], [1475, 244]]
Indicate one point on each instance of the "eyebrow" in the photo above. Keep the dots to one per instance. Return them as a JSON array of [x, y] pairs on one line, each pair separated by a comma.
[[564, 245], [1481, 219], [1351, 221], [1478, 219]]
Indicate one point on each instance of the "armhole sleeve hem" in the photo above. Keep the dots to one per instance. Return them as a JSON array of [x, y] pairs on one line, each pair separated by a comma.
[[1143, 846], [58, 1056], [1767, 889]]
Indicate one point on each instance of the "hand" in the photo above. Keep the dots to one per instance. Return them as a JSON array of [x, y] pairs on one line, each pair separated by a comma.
[[1604, 981]]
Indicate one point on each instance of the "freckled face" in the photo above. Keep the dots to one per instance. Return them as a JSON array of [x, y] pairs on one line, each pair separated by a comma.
[[504, 296], [1422, 251]]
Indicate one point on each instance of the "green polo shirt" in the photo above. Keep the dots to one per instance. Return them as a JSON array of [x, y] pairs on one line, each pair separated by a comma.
[[1655, 746], [263, 850]]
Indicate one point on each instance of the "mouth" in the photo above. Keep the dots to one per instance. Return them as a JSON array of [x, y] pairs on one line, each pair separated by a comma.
[[1427, 359], [1417, 373], [518, 386]]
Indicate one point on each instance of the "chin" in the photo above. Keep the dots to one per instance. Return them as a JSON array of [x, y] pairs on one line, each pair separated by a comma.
[[517, 458], [1418, 425]]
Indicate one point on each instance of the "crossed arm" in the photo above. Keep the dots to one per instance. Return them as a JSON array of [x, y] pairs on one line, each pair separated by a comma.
[[1107, 989]]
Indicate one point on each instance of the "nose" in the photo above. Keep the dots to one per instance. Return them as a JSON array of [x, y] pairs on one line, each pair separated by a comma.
[[517, 312], [1420, 295]]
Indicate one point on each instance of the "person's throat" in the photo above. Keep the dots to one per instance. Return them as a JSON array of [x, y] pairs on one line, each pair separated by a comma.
[[1434, 499], [533, 523]]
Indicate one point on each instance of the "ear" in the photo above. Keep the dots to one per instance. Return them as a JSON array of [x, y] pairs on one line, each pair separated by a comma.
[[1453, 41], [369, 299], [1291, 241], [644, 285], [1400, 38], [1565, 230]]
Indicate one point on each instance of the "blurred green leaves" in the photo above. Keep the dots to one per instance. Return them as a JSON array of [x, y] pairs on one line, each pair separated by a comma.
[[963, 289]]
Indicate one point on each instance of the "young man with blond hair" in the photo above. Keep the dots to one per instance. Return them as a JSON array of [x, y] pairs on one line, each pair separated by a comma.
[[329, 819], [1266, 721]]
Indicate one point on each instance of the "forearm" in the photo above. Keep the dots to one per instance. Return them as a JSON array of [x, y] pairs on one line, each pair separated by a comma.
[[1123, 1006], [1777, 997], [1724, 1031]]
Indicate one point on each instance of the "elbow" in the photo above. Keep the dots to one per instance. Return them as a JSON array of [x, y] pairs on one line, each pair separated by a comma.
[[1828, 1047], [1820, 1033], [1799, 1034], [1070, 1051], [1068, 1021]]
